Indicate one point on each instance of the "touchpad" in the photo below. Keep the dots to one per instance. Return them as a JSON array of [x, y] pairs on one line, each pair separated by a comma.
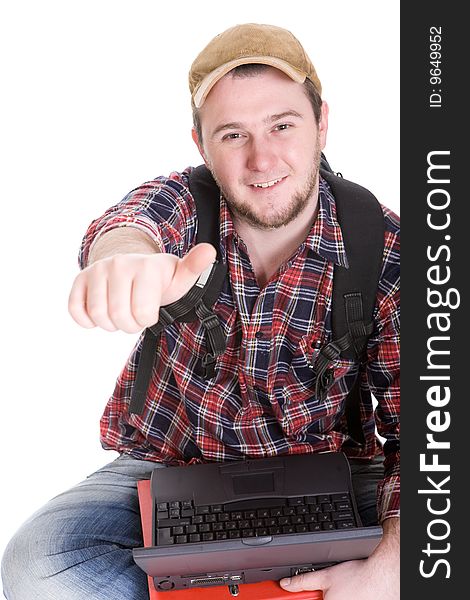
[[253, 483]]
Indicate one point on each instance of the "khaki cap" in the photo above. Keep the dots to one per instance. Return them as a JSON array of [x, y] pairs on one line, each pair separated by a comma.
[[248, 44]]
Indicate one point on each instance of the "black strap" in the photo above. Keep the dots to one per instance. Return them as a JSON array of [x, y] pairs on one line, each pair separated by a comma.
[[144, 372], [197, 302], [354, 290], [206, 194]]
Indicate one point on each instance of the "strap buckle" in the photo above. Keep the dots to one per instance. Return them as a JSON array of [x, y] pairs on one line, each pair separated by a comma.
[[208, 365]]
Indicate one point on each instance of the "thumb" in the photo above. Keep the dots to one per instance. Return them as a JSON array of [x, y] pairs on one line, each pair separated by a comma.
[[196, 260], [187, 271], [305, 581]]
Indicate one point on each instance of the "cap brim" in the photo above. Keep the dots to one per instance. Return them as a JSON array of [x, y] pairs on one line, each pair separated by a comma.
[[213, 77]]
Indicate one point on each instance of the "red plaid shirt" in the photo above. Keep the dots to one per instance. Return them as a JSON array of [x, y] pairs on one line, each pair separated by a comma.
[[261, 401]]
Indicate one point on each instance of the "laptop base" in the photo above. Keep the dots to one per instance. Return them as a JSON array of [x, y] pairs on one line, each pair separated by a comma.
[[266, 590]]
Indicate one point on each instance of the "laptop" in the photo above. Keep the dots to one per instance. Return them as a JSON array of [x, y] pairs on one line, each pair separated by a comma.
[[252, 520]]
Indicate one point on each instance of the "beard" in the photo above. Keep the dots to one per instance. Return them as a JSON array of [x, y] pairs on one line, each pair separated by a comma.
[[285, 214]]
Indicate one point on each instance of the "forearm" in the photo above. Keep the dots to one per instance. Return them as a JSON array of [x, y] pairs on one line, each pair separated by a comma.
[[122, 240]]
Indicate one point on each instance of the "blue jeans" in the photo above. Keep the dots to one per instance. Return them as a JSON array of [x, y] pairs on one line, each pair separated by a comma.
[[78, 546]]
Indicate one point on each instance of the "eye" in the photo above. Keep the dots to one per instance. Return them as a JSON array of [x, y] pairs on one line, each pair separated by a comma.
[[232, 136], [282, 127]]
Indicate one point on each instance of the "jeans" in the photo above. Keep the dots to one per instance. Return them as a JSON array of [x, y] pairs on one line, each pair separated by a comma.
[[78, 546]]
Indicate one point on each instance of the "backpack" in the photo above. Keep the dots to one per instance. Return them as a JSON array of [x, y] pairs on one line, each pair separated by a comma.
[[354, 291]]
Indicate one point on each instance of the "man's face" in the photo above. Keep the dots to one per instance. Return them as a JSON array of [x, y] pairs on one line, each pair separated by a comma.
[[262, 144]]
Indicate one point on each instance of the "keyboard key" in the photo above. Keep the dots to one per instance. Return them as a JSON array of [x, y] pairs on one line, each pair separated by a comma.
[[302, 510], [173, 522], [276, 512], [204, 528], [328, 526], [345, 505], [270, 522], [310, 518], [323, 499], [344, 524], [236, 516], [197, 520], [342, 515], [261, 531], [162, 506], [174, 513], [338, 497], [288, 529], [310, 500], [257, 523], [233, 535], [195, 537], [298, 520], [164, 536], [202, 510], [288, 510], [275, 530], [284, 520], [295, 501], [248, 533], [191, 529], [314, 527], [178, 531], [301, 528], [222, 517], [230, 525], [175, 504], [244, 524], [210, 518], [217, 508], [322, 517], [221, 535], [181, 539], [262, 514], [250, 514], [187, 512], [327, 507], [207, 537], [217, 527]]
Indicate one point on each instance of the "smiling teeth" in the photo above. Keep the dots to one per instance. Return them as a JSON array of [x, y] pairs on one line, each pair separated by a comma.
[[267, 184]]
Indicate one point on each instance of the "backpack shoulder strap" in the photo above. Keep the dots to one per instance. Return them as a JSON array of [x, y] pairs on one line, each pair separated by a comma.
[[354, 289], [198, 302], [206, 194]]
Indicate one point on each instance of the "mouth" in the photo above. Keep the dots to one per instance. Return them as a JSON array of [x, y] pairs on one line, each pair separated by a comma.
[[267, 184]]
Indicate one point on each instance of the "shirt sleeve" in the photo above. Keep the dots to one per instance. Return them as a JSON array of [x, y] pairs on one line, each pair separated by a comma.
[[384, 369], [163, 208]]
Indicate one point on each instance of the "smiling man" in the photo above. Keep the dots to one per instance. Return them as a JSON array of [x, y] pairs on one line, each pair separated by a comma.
[[266, 161], [260, 125]]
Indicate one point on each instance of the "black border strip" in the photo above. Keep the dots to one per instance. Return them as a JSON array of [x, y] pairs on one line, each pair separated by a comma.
[[435, 359]]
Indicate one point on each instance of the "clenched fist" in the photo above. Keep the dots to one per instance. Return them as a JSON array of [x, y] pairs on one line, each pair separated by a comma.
[[125, 291]]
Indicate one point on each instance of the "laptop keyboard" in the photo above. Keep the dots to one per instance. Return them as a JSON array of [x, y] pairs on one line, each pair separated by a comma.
[[180, 522]]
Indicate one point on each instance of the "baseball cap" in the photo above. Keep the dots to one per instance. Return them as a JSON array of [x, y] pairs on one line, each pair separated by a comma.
[[248, 44]]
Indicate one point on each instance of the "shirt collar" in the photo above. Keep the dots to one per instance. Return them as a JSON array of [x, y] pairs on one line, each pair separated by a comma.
[[325, 237]]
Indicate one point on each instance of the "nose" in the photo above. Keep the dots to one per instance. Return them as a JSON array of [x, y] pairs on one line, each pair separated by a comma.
[[261, 156]]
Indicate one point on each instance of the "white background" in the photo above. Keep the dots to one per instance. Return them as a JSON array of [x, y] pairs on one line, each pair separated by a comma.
[[94, 102]]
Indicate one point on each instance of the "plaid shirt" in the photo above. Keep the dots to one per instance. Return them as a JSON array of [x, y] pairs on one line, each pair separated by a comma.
[[260, 403]]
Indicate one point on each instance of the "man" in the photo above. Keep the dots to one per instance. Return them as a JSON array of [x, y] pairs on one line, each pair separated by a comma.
[[260, 126]]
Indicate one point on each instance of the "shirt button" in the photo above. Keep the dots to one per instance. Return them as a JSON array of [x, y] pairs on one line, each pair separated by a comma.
[[259, 335]]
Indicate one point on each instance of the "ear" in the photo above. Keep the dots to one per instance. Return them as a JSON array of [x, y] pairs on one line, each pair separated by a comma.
[[198, 144], [323, 124]]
